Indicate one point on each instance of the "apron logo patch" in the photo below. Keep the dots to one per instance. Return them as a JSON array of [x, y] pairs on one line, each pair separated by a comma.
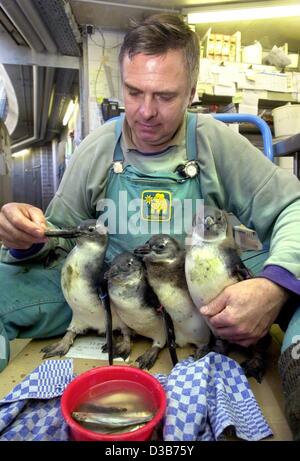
[[156, 205]]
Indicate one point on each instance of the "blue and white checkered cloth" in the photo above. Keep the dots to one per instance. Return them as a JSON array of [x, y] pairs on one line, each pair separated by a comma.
[[31, 411], [204, 397]]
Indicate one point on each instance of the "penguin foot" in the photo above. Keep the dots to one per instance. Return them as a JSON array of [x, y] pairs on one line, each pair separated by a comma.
[[61, 347], [255, 368], [55, 349], [221, 346], [119, 350], [147, 360], [201, 351], [218, 345]]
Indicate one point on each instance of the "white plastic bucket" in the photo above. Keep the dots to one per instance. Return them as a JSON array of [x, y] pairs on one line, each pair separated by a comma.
[[286, 120]]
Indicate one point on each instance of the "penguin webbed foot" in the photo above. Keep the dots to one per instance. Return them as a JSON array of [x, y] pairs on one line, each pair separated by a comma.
[[216, 344], [254, 367], [116, 352], [59, 348], [53, 352], [201, 351], [221, 346], [120, 348], [148, 358]]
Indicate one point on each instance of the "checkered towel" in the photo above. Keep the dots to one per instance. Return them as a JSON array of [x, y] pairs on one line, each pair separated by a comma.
[[204, 397], [31, 411]]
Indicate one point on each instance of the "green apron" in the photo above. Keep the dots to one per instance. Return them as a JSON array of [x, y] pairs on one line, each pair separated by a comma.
[[148, 204]]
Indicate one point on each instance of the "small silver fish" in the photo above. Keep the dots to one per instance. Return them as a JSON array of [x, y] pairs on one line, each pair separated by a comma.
[[113, 420], [95, 408], [109, 430]]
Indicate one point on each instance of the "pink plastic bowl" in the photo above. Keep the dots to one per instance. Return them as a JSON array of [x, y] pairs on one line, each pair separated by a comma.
[[91, 378]]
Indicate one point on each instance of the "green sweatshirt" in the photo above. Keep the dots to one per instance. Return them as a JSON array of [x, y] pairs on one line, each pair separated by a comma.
[[234, 176]]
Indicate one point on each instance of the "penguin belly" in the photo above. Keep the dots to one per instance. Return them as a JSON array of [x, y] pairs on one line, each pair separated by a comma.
[[206, 273], [189, 325], [141, 319], [80, 291]]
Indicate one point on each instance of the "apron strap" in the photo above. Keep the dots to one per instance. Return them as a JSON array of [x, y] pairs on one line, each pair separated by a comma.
[[118, 154], [191, 136]]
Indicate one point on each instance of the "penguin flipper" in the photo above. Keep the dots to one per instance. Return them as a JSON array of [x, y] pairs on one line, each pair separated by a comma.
[[170, 333], [242, 272], [235, 265], [103, 295]]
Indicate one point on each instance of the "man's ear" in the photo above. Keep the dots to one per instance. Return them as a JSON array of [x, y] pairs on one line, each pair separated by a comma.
[[192, 95]]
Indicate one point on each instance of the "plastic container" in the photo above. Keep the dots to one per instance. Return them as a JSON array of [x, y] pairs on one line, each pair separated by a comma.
[[79, 386], [286, 120]]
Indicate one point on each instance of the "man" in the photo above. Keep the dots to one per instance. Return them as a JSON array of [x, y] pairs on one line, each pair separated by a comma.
[[145, 161]]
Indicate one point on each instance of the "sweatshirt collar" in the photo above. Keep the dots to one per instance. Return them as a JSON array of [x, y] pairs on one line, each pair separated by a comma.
[[177, 139]]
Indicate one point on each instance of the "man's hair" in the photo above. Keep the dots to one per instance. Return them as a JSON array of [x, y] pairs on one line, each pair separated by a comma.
[[160, 33]]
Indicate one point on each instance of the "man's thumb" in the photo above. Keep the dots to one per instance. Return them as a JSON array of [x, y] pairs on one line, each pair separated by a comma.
[[215, 306]]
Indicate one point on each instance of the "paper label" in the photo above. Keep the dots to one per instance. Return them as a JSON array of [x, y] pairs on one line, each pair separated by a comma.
[[90, 347]]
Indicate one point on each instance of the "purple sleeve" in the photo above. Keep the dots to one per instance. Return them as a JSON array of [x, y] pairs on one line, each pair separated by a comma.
[[282, 277], [21, 254]]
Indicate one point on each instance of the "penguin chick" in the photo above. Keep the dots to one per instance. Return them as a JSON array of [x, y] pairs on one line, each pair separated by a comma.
[[213, 263], [132, 297], [164, 260], [212, 259], [80, 280]]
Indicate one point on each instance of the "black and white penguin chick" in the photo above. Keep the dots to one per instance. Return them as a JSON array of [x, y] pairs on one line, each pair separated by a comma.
[[164, 260], [135, 303], [213, 263], [81, 277], [212, 259]]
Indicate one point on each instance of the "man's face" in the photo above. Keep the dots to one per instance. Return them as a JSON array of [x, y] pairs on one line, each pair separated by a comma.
[[156, 95]]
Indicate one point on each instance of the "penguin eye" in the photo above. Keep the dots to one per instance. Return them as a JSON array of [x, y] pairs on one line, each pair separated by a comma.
[[91, 228], [161, 246], [209, 221], [129, 263]]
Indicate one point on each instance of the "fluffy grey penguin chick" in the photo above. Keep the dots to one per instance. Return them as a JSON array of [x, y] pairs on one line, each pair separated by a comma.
[[164, 260], [135, 303], [212, 263], [80, 280]]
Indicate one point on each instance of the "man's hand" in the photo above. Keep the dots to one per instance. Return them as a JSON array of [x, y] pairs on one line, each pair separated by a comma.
[[21, 225], [244, 312]]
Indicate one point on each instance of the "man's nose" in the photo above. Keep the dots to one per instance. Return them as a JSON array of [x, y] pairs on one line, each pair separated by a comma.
[[148, 107]]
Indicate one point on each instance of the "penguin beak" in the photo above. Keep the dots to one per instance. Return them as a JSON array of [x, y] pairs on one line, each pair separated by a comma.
[[111, 273], [142, 250]]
